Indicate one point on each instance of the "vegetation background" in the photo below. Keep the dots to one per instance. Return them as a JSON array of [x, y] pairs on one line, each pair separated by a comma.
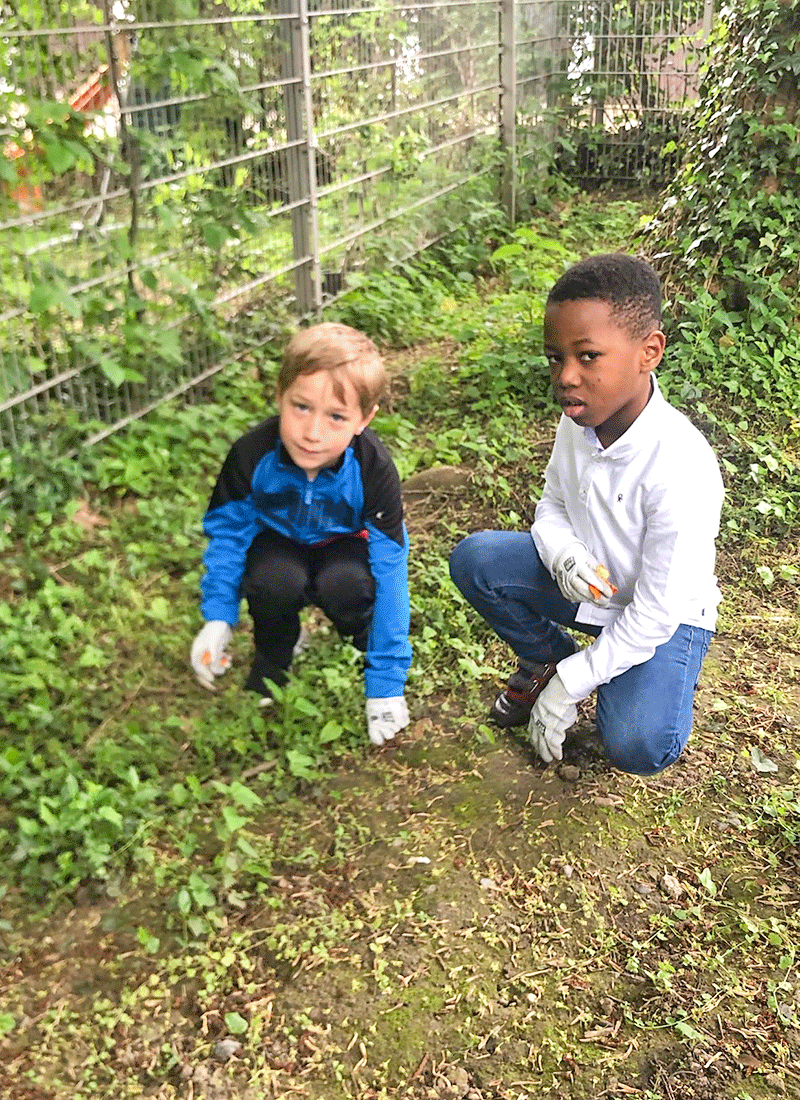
[[203, 901]]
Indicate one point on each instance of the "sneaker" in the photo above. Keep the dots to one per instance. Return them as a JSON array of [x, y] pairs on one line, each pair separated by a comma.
[[514, 704], [303, 642]]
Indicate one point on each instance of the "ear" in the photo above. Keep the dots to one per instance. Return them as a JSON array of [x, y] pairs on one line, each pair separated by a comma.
[[652, 350], [367, 419]]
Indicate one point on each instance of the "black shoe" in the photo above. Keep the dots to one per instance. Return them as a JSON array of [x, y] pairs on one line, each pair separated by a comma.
[[514, 704], [261, 671]]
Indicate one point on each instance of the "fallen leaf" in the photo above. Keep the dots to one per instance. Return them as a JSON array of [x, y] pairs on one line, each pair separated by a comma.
[[87, 519], [760, 762], [608, 800]]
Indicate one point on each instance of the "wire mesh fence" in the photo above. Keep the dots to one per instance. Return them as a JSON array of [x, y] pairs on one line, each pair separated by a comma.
[[177, 176], [613, 80]]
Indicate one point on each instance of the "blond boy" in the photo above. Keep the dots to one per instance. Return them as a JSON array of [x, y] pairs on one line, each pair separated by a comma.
[[307, 510]]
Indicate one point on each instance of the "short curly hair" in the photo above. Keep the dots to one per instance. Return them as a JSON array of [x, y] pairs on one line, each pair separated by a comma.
[[341, 350], [628, 284]]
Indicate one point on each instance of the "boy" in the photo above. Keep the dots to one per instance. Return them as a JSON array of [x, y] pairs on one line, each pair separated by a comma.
[[307, 509], [632, 486]]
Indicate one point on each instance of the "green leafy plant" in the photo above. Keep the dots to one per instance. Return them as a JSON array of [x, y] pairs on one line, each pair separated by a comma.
[[725, 241]]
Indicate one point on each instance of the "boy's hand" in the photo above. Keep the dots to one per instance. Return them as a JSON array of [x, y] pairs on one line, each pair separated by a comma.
[[552, 715], [581, 577], [385, 718], [209, 657]]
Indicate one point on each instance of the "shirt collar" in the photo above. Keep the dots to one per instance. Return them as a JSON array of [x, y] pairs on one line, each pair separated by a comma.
[[643, 425]]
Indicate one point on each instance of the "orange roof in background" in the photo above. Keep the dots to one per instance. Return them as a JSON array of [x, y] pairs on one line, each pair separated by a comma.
[[94, 93]]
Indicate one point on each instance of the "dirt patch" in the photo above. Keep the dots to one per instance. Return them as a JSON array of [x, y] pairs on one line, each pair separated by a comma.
[[449, 918]]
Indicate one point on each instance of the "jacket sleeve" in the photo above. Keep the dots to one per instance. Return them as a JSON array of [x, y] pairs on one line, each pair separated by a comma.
[[552, 529], [678, 541], [388, 650], [231, 523]]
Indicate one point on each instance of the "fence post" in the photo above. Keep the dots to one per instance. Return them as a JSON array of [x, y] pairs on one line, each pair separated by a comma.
[[708, 18], [301, 159], [508, 105]]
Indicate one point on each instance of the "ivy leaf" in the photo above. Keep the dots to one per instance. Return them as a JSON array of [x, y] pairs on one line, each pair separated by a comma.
[[766, 575], [215, 235], [42, 298], [687, 1030], [112, 370], [236, 1024], [244, 796], [233, 820], [300, 765], [707, 881], [59, 156], [331, 731]]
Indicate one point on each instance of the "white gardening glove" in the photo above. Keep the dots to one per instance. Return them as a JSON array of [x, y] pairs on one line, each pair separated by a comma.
[[552, 715], [575, 569], [209, 657], [385, 718]]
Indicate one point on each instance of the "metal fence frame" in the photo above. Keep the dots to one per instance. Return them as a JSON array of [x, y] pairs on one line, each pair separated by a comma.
[[468, 96]]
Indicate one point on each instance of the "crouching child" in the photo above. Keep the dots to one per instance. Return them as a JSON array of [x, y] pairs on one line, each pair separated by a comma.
[[622, 544], [307, 510]]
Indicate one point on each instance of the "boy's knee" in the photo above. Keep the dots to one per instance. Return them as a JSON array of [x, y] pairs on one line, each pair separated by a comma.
[[467, 557], [640, 752], [347, 594]]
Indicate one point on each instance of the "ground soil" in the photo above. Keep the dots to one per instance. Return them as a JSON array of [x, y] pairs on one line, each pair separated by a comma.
[[450, 918]]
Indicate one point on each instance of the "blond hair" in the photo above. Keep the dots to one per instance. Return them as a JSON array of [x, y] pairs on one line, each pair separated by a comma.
[[341, 350]]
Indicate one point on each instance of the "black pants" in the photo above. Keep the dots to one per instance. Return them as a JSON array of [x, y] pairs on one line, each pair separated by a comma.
[[281, 577]]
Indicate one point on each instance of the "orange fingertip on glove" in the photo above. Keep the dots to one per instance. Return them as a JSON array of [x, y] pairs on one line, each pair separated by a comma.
[[206, 659], [604, 575]]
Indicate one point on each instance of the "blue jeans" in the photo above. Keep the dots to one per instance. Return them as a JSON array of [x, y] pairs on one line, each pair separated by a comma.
[[644, 715]]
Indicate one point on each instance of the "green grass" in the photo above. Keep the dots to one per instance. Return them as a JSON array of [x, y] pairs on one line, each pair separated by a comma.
[[180, 867]]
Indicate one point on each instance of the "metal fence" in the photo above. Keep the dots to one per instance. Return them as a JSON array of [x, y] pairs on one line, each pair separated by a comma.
[[176, 175]]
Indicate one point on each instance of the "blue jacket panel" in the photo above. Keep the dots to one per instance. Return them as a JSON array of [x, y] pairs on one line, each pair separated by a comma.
[[259, 486]]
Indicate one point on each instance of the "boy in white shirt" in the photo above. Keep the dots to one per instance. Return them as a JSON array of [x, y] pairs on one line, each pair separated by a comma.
[[631, 486]]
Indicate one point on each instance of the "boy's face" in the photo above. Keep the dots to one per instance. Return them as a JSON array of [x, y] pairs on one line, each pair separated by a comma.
[[316, 426], [600, 373]]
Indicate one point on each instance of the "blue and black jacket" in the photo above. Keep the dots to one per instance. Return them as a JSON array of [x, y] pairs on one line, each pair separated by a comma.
[[260, 486]]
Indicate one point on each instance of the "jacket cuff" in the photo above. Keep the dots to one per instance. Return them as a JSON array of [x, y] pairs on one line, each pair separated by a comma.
[[574, 673]]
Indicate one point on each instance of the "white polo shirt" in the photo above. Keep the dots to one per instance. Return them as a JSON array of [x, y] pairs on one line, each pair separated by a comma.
[[648, 507]]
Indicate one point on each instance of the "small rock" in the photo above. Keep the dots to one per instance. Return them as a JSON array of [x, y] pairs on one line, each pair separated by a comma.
[[439, 477], [567, 870], [460, 1081], [569, 772], [671, 886], [643, 888], [226, 1048], [774, 1082]]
